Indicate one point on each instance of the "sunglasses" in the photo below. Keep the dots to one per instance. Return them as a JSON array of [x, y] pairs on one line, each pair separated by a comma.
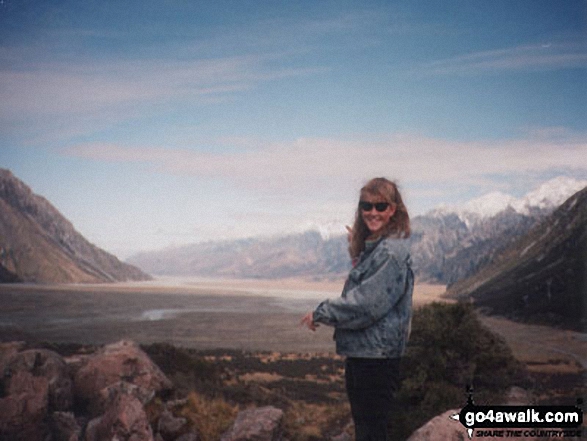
[[368, 206]]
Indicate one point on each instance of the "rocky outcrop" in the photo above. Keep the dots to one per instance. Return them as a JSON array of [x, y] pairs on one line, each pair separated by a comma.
[[117, 369], [102, 397], [24, 408], [169, 426], [44, 396], [124, 419], [65, 427], [34, 384], [39, 363]]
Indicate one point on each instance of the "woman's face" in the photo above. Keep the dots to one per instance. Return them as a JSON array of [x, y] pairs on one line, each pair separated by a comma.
[[374, 219]]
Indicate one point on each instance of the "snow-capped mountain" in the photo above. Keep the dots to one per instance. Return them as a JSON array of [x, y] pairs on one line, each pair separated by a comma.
[[550, 195], [451, 243], [546, 197], [447, 244], [540, 277], [327, 230]]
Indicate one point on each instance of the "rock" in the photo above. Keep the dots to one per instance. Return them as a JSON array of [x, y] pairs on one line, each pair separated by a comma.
[[169, 426], [8, 350], [342, 437], [76, 362], [441, 428], [444, 428], [33, 383], [24, 408], [109, 393], [125, 420], [260, 424], [181, 402], [91, 429], [517, 396], [345, 435], [122, 361], [46, 364], [190, 436], [65, 427]]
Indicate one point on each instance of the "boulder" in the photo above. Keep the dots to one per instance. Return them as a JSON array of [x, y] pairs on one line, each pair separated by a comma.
[[115, 363], [259, 424], [445, 428], [109, 393], [46, 364], [124, 420], [190, 436], [33, 384], [8, 350], [169, 426], [24, 408], [65, 427], [441, 428], [342, 437], [516, 396]]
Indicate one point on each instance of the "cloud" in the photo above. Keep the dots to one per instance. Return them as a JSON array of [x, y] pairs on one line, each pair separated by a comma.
[[549, 56], [326, 163], [65, 88]]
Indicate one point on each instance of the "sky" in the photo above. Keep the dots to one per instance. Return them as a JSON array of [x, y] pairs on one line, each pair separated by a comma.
[[151, 124]]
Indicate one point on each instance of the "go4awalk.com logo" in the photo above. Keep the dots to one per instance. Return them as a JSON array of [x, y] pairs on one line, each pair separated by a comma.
[[521, 421]]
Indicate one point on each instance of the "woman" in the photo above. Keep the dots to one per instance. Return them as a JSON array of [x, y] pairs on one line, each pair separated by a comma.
[[372, 316]]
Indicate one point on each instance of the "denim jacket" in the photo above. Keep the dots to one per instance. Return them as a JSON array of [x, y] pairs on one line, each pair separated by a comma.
[[372, 316]]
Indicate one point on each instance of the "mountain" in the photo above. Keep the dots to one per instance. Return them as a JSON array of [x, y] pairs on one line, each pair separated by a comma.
[[307, 254], [542, 276], [544, 199], [38, 244], [452, 243], [447, 244], [446, 248]]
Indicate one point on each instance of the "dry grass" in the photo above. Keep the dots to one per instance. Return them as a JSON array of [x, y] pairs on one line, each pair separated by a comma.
[[259, 377], [210, 417], [306, 422]]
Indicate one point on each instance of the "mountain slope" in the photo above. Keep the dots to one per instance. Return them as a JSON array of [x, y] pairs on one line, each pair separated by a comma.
[[38, 244], [446, 248], [541, 277], [304, 254], [446, 244]]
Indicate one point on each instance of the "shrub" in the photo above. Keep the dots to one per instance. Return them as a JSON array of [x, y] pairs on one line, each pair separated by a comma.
[[210, 417], [449, 350]]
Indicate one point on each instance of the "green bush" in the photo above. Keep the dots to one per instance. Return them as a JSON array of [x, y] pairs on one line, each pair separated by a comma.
[[449, 350]]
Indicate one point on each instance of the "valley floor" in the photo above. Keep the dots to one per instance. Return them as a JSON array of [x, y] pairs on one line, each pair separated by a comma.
[[250, 315]]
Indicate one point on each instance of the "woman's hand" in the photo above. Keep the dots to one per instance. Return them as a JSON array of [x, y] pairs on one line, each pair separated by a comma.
[[308, 320], [349, 233]]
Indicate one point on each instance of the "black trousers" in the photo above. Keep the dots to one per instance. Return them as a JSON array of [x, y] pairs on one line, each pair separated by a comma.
[[371, 385]]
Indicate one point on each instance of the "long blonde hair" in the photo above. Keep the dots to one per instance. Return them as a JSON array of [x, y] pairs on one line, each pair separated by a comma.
[[399, 224]]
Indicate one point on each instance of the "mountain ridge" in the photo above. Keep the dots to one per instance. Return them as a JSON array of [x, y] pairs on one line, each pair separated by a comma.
[[547, 196], [445, 247], [39, 245], [542, 276]]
